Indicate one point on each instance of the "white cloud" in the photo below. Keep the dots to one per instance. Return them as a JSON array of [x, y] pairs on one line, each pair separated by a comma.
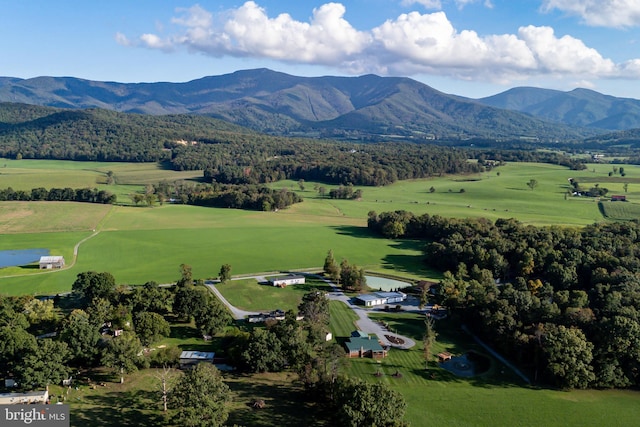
[[410, 44], [122, 40], [428, 4], [601, 13], [565, 55]]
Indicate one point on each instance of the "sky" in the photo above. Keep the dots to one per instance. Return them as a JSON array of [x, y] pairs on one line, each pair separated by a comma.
[[472, 48]]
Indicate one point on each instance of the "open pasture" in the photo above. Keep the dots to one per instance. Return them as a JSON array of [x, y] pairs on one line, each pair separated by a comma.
[[138, 244], [501, 193]]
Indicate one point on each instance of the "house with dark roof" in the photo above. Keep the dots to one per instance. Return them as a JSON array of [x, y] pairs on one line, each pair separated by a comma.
[[359, 346]]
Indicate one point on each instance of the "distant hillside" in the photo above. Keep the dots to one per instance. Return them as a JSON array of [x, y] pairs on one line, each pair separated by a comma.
[[361, 108], [579, 107], [94, 134]]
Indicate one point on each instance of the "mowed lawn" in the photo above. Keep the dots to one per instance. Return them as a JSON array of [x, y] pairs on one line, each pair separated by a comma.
[[251, 295], [497, 398]]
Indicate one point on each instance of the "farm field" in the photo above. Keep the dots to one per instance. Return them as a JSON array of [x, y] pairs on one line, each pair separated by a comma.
[[138, 244]]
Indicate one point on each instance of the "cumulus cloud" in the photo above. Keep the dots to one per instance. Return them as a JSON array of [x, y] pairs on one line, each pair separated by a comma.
[[601, 13], [413, 43]]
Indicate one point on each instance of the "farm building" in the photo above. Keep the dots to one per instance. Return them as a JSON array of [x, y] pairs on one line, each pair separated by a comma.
[[189, 359], [380, 298], [289, 279], [365, 347], [49, 262], [22, 398], [618, 198]]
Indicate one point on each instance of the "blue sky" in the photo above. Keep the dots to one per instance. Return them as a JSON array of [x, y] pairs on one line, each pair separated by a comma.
[[471, 48]]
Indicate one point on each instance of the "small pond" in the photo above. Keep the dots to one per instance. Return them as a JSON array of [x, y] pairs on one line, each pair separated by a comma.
[[381, 283], [16, 257]]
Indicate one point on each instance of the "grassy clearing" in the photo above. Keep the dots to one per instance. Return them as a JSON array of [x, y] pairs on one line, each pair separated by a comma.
[[248, 294]]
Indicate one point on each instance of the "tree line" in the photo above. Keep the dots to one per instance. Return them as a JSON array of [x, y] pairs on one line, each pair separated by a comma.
[[87, 195], [563, 302]]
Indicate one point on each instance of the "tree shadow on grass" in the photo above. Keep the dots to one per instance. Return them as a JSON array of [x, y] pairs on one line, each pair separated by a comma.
[[354, 231], [285, 404], [119, 408]]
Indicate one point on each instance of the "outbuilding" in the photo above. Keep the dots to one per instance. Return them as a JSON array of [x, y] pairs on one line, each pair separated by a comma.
[[188, 359], [286, 280], [380, 298], [49, 262]]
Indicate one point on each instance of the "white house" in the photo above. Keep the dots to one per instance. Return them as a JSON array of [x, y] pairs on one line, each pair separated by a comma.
[[380, 298], [49, 262], [289, 279]]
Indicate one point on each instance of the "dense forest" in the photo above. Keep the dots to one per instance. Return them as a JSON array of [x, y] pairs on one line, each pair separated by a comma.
[[561, 301]]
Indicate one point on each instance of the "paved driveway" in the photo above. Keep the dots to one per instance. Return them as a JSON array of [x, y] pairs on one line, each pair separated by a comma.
[[364, 323]]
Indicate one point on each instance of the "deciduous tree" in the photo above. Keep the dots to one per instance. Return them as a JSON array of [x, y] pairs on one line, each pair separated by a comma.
[[200, 398]]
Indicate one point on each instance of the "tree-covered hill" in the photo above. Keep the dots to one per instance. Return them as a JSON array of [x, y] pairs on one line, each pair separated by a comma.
[[29, 131], [366, 108]]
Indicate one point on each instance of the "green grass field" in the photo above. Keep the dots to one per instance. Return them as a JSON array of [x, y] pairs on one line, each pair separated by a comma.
[[497, 398], [248, 294], [138, 244]]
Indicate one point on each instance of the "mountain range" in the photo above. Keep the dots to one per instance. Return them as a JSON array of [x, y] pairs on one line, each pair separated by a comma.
[[364, 108]]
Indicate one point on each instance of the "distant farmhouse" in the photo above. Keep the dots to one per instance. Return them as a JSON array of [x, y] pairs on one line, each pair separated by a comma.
[[188, 359], [286, 280], [380, 298], [49, 262], [616, 198], [362, 345]]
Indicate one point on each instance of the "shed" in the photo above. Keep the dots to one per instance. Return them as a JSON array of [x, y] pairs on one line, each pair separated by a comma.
[[189, 359], [49, 262], [618, 198]]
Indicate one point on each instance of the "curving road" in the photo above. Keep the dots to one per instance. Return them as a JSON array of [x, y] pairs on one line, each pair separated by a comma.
[[364, 323]]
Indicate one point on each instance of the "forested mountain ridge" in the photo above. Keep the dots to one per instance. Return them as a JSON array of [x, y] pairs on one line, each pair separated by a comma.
[[368, 107], [94, 134], [227, 153], [578, 107]]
